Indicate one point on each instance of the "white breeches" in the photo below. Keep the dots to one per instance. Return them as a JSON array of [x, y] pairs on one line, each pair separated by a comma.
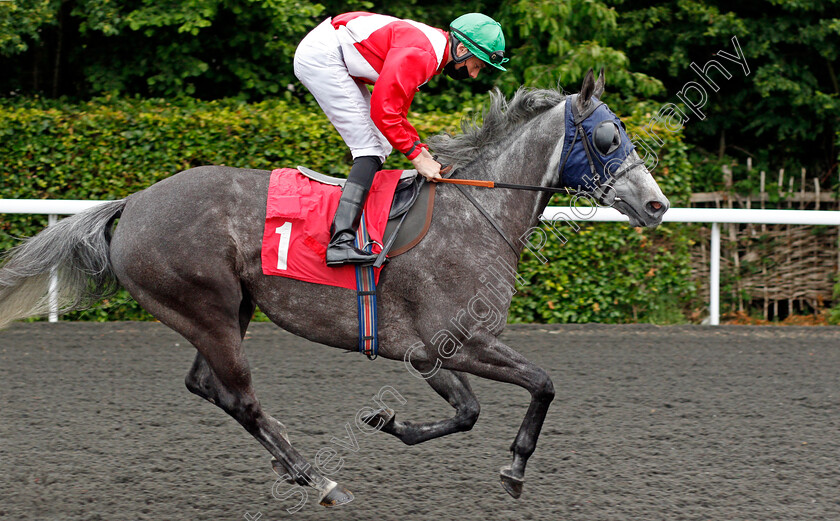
[[346, 102]]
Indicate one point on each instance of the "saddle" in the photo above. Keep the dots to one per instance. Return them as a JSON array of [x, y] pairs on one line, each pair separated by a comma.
[[411, 210]]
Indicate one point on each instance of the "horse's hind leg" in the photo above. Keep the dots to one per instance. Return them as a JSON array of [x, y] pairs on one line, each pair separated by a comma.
[[222, 377], [203, 382], [213, 315], [455, 389]]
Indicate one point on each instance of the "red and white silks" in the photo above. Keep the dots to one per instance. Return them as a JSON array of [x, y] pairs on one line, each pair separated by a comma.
[[337, 58]]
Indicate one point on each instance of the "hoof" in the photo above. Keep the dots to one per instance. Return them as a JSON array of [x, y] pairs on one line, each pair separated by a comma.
[[380, 419], [511, 483], [281, 471], [337, 496]]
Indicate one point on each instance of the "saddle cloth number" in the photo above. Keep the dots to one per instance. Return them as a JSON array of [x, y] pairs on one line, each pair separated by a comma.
[[285, 233]]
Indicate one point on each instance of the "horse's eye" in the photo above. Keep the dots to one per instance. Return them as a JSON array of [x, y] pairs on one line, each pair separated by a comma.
[[606, 137]]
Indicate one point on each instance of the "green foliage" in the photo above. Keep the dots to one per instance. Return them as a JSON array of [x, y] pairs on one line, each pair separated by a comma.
[[557, 42], [208, 48], [606, 272], [110, 147], [834, 311], [21, 21], [786, 110]]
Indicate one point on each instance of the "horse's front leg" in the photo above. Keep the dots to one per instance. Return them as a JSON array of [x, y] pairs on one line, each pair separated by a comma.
[[454, 388], [486, 356]]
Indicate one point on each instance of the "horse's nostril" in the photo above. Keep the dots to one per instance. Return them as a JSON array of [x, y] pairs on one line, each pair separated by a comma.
[[655, 208]]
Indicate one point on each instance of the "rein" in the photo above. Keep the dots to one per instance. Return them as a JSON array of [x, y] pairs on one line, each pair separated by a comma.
[[492, 184]]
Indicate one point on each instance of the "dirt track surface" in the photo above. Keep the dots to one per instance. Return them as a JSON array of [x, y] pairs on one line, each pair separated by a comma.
[[649, 423]]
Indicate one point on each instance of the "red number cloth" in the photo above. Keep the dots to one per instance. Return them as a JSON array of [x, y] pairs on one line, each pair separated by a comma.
[[299, 212]]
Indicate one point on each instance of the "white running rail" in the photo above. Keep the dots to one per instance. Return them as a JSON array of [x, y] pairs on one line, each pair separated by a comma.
[[715, 216]]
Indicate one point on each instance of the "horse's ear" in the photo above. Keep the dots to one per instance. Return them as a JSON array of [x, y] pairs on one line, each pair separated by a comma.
[[599, 85], [586, 91]]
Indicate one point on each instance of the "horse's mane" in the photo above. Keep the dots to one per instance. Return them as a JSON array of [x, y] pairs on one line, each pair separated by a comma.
[[497, 121]]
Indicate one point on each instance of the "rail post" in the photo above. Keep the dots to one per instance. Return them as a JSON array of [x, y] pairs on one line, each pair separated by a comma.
[[714, 277]]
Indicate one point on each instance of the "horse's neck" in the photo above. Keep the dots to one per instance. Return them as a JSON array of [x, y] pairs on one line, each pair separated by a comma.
[[526, 160]]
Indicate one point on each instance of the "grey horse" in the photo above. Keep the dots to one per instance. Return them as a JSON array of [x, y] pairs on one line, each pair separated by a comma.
[[188, 250]]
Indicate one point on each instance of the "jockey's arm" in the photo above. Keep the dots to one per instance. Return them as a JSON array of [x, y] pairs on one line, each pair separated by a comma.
[[404, 70]]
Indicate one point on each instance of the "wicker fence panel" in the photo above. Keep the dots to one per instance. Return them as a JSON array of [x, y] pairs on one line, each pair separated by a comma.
[[771, 264], [780, 263]]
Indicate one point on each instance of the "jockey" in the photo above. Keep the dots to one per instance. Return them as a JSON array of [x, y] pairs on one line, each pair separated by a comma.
[[339, 58]]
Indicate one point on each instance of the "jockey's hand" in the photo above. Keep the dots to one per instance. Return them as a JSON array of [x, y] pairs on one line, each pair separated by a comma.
[[427, 166]]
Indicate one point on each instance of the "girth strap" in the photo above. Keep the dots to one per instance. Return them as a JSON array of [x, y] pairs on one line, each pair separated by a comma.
[[366, 298]]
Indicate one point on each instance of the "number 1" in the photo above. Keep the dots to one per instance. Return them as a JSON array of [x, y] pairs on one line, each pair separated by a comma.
[[285, 232]]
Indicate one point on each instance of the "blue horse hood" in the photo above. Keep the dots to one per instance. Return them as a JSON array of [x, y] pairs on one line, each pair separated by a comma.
[[576, 171]]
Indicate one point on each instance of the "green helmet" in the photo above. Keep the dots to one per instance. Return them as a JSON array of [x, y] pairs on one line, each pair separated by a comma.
[[482, 36]]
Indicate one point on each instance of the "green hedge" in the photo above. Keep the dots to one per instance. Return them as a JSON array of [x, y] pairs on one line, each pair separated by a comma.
[[606, 272], [108, 148]]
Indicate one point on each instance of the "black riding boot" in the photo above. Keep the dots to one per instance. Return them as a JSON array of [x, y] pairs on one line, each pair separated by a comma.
[[349, 213]]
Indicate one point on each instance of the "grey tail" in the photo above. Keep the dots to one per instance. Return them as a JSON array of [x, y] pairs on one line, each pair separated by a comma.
[[76, 251]]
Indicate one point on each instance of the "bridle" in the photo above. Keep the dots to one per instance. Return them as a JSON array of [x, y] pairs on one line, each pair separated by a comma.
[[603, 193]]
